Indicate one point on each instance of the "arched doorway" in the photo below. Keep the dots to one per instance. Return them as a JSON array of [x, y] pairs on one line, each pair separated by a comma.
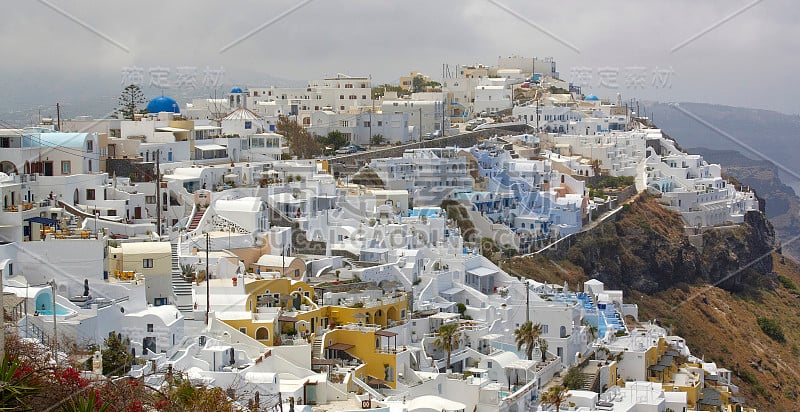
[[8, 167], [392, 314], [262, 333], [75, 198]]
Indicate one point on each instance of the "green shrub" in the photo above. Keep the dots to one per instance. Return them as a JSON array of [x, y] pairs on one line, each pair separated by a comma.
[[787, 283], [771, 328], [573, 378]]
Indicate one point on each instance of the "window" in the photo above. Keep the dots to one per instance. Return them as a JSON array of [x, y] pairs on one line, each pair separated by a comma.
[[341, 96], [380, 123], [243, 330], [248, 125], [297, 273], [366, 124], [90, 146], [150, 200], [147, 263], [489, 365], [89, 194], [150, 327], [66, 167]]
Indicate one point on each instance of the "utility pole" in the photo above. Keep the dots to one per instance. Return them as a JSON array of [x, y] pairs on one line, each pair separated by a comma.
[[420, 124], [158, 192], [58, 116], [208, 278], [527, 302]]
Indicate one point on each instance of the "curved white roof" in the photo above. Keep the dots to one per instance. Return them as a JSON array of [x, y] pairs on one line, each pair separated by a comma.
[[167, 313], [434, 403], [275, 260]]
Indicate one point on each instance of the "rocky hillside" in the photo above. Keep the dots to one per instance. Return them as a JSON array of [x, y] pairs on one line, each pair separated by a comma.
[[716, 289], [782, 206], [646, 250]]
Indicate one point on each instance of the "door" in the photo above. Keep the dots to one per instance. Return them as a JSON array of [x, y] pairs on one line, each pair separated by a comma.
[[48, 168], [149, 343], [137, 212], [310, 394]]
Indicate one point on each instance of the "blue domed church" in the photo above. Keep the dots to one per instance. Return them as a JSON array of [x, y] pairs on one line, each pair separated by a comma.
[[163, 104]]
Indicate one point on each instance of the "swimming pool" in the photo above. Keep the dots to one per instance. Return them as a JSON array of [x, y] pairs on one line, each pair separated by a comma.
[[60, 311]]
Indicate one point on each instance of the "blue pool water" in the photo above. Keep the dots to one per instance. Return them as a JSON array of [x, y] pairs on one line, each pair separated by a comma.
[[60, 311]]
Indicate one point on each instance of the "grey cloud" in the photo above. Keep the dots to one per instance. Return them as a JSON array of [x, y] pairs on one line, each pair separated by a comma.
[[746, 61]]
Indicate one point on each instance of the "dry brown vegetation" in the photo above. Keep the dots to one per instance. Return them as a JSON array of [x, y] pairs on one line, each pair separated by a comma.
[[648, 242]]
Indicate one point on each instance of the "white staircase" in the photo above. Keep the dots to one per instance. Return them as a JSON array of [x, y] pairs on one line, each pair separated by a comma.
[[181, 287], [317, 349]]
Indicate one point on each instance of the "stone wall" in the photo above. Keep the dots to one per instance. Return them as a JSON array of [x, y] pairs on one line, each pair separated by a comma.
[[350, 163]]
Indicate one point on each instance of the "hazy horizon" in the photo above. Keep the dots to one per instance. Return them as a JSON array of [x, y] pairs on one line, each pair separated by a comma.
[[737, 53]]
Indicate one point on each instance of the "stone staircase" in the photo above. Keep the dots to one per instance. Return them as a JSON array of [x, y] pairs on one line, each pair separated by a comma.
[[180, 286], [588, 380], [196, 218]]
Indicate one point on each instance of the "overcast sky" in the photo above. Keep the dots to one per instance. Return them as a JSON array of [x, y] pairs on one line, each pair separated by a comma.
[[734, 52]]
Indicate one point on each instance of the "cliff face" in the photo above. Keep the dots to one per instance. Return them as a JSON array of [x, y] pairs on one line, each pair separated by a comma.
[[646, 250], [740, 258]]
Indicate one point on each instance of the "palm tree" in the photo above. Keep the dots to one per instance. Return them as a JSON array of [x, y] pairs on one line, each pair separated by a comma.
[[555, 396], [447, 339], [542, 348], [527, 335]]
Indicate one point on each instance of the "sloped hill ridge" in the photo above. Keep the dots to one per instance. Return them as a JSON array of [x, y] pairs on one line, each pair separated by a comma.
[[712, 290], [646, 250]]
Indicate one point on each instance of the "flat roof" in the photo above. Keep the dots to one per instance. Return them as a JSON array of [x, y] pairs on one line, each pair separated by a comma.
[[211, 147], [482, 271]]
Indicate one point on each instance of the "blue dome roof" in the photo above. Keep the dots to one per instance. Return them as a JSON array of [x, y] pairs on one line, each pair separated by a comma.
[[237, 90], [163, 104], [591, 98]]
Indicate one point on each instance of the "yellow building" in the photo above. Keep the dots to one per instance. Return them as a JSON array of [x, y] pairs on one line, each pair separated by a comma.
[[407, 82], [152, 259], [282, 309]]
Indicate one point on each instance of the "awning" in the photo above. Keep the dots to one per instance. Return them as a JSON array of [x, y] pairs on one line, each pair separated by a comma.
[[283, 318], [42, 221], [385, 333], [482, 271], [318, 361], [657, 368], [341, 346], [170, 129], [375, 381], [211, 147]]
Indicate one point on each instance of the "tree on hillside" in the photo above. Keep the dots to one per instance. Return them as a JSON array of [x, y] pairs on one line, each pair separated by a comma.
[[447, 339], [417, 84], [116, 357], [335, 140], [542, 348], [527, 335], [301, 143], [129, 101], [377, 140], [555, 396]]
